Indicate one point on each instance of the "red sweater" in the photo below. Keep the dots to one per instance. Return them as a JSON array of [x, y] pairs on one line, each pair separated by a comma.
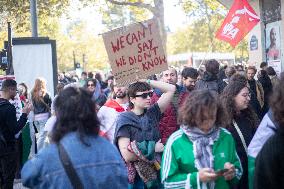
[[168, 123]]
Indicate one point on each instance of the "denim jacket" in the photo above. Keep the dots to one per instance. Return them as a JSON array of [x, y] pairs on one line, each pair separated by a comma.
[[99, 165]]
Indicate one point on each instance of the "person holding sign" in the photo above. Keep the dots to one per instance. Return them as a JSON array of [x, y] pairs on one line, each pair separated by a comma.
[[137, 135], [168, 124]]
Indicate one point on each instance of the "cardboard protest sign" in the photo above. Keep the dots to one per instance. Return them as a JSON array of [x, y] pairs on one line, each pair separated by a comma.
[[135, 51]]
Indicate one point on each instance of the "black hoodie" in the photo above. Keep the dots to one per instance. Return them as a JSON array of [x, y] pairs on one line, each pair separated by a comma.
[[9, 126]]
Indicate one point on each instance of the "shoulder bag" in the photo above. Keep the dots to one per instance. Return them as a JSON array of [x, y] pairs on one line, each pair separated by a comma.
[[69, 168]]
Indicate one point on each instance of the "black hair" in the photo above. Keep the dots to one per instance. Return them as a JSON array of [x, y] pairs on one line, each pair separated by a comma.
[[239, 66], [137, 87], [92, 80], [98, 76], [212, 66], [75, 112], [90, 75], [189, 72], [8, 83], [270, 71], [263, 64]]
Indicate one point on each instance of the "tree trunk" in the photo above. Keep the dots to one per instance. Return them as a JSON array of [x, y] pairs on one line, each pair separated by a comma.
[[210, 31], [159, 14], [157, 11]]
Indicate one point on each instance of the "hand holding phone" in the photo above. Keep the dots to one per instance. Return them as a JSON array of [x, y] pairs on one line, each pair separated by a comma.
[[220, 172]]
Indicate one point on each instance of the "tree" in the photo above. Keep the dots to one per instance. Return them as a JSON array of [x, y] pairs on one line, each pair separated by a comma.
[[18, 11], [194, 39], [80, 41], [155, 7], [207, 12]]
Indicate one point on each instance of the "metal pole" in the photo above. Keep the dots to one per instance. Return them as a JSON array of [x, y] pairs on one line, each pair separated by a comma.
[[10, 69], [84, 62], [33, 18], [74, 60]]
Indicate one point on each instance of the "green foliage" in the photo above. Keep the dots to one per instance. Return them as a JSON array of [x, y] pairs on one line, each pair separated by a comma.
[[199, 36], [18, 12], [115, 16], [80, 41], [194, 38]]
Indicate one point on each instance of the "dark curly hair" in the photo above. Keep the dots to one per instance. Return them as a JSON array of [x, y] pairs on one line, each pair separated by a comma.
[[92, 80], [277, 101], [137, 87], [228, 95], [200, 105], [75, 112]]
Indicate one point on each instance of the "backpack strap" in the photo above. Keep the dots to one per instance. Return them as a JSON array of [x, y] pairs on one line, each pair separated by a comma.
[[241, 136], [69, 168]]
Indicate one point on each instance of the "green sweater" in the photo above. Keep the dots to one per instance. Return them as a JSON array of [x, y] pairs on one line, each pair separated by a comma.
[[178, 168]]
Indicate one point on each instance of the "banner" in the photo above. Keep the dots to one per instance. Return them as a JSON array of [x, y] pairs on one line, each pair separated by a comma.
[[239, 21], [135, 51]]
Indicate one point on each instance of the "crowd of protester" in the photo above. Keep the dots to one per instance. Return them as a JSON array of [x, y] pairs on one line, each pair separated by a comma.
[[216, 127]]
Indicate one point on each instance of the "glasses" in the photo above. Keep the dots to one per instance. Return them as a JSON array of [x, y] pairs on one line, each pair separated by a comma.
[[145, 95], [90, 85]]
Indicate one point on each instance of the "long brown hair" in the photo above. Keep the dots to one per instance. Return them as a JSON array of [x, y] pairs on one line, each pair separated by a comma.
[[40, 84], [228, 95]]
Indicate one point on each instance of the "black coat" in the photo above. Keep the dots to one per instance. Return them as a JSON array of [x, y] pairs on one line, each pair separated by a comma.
[[269, 168], [9, 126]]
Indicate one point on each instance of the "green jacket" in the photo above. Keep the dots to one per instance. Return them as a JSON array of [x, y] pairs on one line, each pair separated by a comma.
[[178, 168]]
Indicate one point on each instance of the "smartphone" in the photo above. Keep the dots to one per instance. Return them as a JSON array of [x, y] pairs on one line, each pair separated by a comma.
[[221, 171]]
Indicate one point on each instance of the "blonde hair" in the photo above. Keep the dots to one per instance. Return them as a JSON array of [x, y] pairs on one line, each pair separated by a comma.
[[40, 84]]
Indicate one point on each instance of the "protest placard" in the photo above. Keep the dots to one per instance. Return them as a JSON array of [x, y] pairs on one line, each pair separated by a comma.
[[135, 51]]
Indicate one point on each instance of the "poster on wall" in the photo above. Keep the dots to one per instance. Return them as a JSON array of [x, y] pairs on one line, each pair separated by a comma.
[[272, 47]]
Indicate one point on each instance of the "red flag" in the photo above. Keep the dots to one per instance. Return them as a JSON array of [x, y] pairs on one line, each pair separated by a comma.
[[239, 21]]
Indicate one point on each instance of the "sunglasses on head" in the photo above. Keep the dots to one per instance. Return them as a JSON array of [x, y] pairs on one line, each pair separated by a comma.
[[145, 95]]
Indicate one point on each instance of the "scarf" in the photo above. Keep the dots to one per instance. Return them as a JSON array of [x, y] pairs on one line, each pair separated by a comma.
[[202, 147]]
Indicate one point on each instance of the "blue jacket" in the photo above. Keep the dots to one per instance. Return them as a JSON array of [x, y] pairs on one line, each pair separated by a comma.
[[99, 165]]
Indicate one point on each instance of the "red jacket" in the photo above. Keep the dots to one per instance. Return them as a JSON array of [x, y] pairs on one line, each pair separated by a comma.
[[168, 123]]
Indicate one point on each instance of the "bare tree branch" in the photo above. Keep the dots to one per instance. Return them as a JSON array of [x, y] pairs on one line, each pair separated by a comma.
[[136, 4]]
